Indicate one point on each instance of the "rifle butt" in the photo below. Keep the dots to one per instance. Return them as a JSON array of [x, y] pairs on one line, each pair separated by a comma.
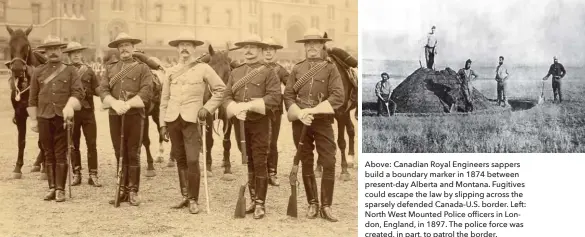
[[240, 211], [292, 209]]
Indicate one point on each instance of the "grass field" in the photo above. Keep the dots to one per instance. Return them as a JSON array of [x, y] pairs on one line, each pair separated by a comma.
[[24, 213], [544, 128]]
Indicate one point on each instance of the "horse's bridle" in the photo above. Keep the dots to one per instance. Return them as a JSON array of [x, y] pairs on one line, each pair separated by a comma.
[[16, 77]]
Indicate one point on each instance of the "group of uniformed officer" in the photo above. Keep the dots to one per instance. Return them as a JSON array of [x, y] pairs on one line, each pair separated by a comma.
[[252, 97]]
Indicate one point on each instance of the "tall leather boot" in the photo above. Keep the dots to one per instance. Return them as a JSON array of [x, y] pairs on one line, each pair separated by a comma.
[[194, 181], [124, 187], [183, 185], [93, 179], [327, 187], [60, 178], [261, 189], [311, 190], [76, 179], [133, 185], [51, 178], [252, 187]]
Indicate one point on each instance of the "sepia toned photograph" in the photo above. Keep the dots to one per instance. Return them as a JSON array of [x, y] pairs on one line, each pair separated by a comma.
[[179, 118], [473, 77]]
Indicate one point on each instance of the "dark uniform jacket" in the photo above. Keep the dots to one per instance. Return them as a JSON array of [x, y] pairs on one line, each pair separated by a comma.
[[90, 85], [264, 85], [50, 98], [137, 82], [557, 70], [282, 75], [326, 83]]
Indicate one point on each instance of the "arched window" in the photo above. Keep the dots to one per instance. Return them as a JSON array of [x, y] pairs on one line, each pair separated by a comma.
[[206, 15], [183, 12], [229, 16]]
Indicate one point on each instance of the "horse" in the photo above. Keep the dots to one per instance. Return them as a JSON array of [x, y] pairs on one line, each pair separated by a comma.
[[222, 64], [22, 61], [343, 116]]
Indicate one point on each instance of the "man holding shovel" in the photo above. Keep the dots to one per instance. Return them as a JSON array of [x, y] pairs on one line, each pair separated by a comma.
[[557, 70], [383, 89], [182, 108], [252, 94], [313, 91], [501, 79]]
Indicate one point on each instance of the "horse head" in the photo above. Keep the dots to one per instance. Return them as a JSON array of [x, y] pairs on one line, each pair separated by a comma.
[[220, 62], [21, 53]]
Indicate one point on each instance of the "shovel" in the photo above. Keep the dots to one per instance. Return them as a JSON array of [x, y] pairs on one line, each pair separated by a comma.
[[541, 98]]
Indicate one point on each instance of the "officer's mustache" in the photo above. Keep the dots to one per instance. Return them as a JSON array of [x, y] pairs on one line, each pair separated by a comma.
[[185, 51], [53, 56]]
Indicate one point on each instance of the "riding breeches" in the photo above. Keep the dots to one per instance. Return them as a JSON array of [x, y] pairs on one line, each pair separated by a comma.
[[85, 120]]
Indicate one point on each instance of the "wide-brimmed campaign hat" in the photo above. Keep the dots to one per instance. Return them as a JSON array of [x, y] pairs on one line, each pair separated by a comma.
[[271, 42], [51, 41], [122, 38], [253, 40], [313, 34], [73, 46], [185, 36]]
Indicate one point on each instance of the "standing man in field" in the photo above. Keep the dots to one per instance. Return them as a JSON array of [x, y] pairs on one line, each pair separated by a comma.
[[465, 76], [383, 89], [557, 71], [282, 74], [501, 79], [126, 89], [315, 82], [182, 110], [252, 93], [430, 48], [55, 94], [84, 118]]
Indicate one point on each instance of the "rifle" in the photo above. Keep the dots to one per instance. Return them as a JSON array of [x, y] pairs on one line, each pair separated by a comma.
[[69, 124], [291, 210], [241, 204], [120, 168], [203, 151]]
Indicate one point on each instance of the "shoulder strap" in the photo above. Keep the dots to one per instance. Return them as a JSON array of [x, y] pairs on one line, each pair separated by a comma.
[[240, 83], [122, 73], [305, 78], [182, 70], [82, 71], [54, 74]]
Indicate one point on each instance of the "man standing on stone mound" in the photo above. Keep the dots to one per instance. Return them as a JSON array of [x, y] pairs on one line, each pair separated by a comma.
[[464, 75], [430, 48]]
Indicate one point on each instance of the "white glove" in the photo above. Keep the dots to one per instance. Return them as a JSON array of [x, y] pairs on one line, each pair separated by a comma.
[[307, 119], [68, 113], [120, 107], [33, 124], [242, 115]]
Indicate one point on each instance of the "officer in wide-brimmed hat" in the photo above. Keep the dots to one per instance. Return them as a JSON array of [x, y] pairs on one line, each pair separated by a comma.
[[313, 91], [282, 74], [84, 118], [126, 88], [253, 92], [186, 82], [55, 93]]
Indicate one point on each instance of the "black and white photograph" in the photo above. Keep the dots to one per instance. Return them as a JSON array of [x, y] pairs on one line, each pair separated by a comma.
[[179, 118], [472, 76]]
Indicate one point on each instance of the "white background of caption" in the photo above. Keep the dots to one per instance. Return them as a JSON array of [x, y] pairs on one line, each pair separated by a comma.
[[553, 193]]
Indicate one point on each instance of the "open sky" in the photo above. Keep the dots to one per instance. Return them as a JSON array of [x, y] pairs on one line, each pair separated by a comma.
[[525, 32]]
